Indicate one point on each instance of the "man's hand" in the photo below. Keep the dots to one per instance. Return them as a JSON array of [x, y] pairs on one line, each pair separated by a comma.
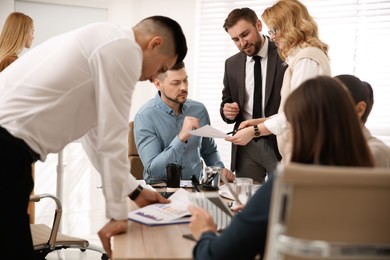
[[231, 110], [190, 123], [113, 227], [148, 196], [229, 175]]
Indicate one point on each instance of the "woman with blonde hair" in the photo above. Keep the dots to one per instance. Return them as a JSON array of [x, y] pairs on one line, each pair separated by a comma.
[[17, 34], [295, 32]]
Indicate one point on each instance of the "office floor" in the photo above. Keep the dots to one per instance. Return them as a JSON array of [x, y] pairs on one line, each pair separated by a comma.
[[82, 200]]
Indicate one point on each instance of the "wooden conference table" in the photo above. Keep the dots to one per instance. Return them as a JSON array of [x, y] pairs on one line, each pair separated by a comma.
[[152, 242]]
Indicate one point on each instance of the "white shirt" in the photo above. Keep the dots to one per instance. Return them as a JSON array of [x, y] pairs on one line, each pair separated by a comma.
[[78, 84], [380, 151], [303, 70], [250, 80]]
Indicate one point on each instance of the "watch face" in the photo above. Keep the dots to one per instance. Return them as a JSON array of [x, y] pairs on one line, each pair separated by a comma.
[[257, 132]]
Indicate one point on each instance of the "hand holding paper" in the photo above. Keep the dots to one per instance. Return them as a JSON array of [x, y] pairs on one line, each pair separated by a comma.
[[208, 131]]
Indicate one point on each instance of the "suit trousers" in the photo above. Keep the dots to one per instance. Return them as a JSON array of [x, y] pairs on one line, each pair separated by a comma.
[[255, 160], [15, 170]]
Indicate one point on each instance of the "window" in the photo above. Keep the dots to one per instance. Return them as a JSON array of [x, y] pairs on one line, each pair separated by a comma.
[[357, 32]]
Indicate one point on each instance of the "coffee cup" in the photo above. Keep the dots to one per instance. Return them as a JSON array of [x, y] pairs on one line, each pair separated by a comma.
[[173, 175]]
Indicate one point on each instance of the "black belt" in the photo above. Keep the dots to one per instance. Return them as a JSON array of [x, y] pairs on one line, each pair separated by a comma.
[[19, 142]]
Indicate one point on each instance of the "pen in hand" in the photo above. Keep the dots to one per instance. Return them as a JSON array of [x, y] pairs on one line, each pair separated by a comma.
[[235, 131]]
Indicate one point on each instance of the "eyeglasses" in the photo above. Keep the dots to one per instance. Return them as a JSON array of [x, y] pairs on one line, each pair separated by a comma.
[[272, 32]]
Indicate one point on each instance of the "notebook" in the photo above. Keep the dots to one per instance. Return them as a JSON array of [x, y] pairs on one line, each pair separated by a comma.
[[215, 206]]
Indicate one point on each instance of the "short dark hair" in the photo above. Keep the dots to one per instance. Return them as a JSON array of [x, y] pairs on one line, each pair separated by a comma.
[[178, 66], [360, 91], [238, 14], [177, 34]]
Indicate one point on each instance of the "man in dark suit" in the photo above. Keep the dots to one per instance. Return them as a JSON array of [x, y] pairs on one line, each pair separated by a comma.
[[261, 155]]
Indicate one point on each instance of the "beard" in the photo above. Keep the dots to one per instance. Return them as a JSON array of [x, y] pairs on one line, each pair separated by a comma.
[[181, 98], [253, 49]]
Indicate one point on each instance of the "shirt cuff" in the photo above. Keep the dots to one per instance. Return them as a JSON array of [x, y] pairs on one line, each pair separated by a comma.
[[277, 124]]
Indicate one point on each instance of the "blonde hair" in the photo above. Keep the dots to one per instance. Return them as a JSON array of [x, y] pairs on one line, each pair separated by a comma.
[[294, 26], [15, 33]]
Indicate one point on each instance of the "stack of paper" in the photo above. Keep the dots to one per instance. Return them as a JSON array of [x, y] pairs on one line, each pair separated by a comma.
[[175, 212]]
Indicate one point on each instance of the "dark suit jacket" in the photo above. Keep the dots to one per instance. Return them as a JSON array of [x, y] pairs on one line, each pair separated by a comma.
[[234, 90]]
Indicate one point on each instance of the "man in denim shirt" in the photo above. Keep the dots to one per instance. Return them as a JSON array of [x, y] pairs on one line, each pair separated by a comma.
[[161, 129]]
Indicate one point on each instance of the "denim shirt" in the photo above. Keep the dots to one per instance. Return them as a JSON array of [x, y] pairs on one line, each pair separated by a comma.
[[156, 129]]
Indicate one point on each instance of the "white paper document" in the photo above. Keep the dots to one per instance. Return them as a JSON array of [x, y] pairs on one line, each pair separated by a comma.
[[208, 131], [224, 191], [175, 212]]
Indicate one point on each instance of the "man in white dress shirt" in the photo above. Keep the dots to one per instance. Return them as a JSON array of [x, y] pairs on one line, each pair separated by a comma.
[[79, 85]]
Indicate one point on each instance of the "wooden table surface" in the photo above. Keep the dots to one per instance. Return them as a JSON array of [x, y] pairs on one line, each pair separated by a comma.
[[152, 242]]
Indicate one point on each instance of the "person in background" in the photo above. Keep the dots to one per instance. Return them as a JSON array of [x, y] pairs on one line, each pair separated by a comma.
[[295, 32], [259, 156], [363, 96], [81, 88], [17, 34], [308, 114], [161, 129]]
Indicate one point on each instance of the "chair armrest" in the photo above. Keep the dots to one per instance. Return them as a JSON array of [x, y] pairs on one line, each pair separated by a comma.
[[320, 249], [57, 215]]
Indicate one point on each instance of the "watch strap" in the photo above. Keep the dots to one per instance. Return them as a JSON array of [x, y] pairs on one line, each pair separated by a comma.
[[136, 192]]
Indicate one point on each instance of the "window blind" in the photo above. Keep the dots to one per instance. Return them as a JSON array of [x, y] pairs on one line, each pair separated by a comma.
[[357, 32]]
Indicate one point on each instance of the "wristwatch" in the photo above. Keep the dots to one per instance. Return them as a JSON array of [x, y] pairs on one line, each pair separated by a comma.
[[257, 131], [136, 192]]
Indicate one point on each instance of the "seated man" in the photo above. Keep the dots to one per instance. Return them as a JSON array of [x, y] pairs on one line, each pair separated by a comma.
[[161, 129], [363, 96]]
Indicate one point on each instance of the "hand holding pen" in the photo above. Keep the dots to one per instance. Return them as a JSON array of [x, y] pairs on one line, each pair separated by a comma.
[[242, 136], [234, 131]]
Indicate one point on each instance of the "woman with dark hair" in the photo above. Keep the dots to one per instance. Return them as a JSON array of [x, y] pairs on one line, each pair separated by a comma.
[[310, 110]]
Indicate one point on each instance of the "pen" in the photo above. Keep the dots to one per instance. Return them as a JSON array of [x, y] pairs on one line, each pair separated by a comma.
[[235, 131], [230, 189], [195, 183]]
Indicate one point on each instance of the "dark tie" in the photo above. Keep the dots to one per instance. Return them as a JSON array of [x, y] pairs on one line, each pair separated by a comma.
[[257, 93]]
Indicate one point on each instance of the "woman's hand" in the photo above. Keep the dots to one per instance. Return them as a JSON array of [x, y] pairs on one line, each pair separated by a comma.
[[200, 222], [241, 137], [252, 122]]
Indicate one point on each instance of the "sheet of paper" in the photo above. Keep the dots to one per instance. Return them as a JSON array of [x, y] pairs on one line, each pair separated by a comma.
[[208, 131], [164, 214], [224, 191]]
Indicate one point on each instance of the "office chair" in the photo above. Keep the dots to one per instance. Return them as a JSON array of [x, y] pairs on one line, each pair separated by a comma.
[[31, 204], [322, 212], [46, 239], [136, 167]]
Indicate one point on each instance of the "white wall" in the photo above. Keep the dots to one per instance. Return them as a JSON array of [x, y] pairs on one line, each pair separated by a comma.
[[123, 12], [127, 13]]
